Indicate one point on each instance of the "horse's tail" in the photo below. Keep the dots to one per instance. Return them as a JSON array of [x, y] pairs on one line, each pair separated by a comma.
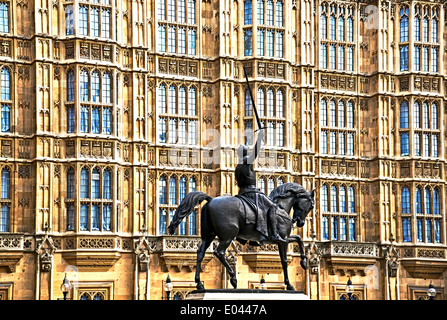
[[186, 207]]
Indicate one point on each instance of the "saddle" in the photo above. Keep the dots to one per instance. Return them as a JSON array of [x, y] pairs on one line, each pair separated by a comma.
[[255, 210]]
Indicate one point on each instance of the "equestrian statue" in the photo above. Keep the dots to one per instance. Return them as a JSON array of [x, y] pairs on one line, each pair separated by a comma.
[[251, 216]]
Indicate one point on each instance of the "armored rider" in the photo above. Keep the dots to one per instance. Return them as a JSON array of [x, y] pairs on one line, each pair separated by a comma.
[[246, 180]]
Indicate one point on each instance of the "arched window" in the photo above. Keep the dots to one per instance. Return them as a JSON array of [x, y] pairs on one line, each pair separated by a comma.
[[192, 101], [350, 115], [325, 228], [434, 116], [323, 26], [324, 199], [436, 201], [106, 88], [342, 197], [332, 114], [83, 223], [84, 85], [260, 103], [172, 100], [5, 182], [404, 24], [417, 115], [162, 99], [351, 200], [323, 113], [404, 115], [341, 28], [417, 29], [182, 100], [4, 17], [5, 84], [418, 200], [333, 199], [107, 184], [162, 191], [95, 184], [182, 188], [341, 114], [248, 14], [279, 14], [270, 107], [269, 13], [406, 229], [427, 201], [70, 86], [332, 29], [172, 191], [405, 200], [279, 104], [350, 30], [107, 121], [434, 31], [70, 184], [191, 11], [95, 86], [84, 183], [425, 116]]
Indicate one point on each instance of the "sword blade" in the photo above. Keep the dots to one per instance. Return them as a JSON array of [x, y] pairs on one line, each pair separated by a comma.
[[253, 101]]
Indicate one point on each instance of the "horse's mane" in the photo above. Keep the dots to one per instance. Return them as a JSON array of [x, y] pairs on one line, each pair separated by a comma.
[[285, 189]]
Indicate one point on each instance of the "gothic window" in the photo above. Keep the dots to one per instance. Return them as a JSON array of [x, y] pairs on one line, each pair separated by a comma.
[[93, 17], [70, 184], [337, 127], [248, 42], [404, 24], [177, 115], [270, 104], [96, 199], [426, 129], [96, 109], [5, 100], [5, 199], [426, 38], [69, 24], [4, 17], [336, 25], [338, 212], [177, 27], [171, 192], [247, 12], [427, 214]]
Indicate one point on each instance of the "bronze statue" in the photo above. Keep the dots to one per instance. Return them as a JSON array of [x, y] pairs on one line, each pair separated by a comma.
[[225, 217], [243, 217]]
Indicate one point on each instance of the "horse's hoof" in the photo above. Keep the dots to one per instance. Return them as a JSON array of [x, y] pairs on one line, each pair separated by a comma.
[[200, 286], [303, 264], [233, 282], [290, 287]]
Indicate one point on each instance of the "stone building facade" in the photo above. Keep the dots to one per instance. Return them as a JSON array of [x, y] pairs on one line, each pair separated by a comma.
[[111, 111]]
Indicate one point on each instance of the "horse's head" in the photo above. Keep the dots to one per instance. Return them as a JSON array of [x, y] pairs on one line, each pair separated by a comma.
[[302, 206]]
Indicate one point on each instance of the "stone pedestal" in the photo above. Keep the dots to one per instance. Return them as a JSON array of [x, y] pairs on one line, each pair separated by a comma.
[[246, 294]]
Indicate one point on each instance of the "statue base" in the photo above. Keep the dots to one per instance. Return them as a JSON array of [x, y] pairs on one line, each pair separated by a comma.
[[246, 294]]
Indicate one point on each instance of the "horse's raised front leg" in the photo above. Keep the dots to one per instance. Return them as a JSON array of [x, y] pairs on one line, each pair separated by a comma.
[[297, 239], [220, 254], [200, 255], [282, 247]]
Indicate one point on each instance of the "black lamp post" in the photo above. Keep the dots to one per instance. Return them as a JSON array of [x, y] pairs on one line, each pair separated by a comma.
[[65, 287], [168, 286], [431, 291], [263, 285], [349, 288]]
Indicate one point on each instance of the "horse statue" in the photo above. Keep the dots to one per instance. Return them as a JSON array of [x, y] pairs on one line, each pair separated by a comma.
[[226, 218]]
